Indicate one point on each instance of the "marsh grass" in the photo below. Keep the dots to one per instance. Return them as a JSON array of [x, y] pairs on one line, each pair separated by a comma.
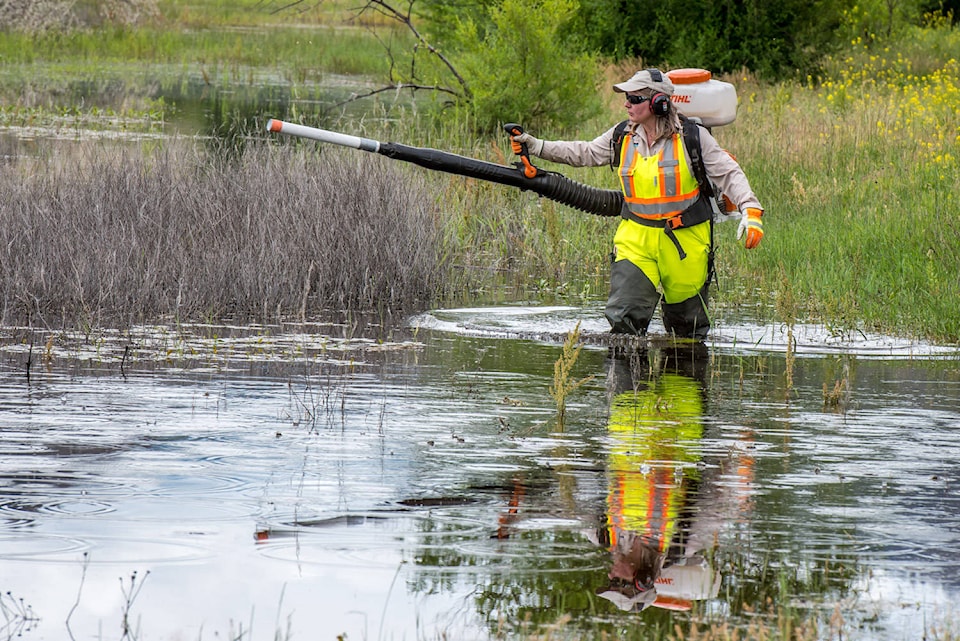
[[563, 385], [33, 16], [116, 234], [857, 169], [859, 172]]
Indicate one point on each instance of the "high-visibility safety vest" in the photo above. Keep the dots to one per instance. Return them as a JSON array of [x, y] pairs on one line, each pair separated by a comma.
[[655, 436], [659, 187]]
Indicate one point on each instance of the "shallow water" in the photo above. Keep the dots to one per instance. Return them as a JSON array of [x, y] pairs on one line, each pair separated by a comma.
[[135, 103], [297, 481]]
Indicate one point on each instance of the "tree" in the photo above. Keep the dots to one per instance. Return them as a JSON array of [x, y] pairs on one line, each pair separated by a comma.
[[525, 67], [771, 38], [502, 60]]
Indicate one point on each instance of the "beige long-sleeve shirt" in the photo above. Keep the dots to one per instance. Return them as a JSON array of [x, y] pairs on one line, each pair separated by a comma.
[[721, 168]]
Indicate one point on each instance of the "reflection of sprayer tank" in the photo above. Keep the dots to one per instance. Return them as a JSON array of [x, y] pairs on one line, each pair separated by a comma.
[[653, 479]]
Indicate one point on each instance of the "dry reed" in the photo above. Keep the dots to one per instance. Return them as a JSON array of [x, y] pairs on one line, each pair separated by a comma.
[[46, 15], [120, 235]]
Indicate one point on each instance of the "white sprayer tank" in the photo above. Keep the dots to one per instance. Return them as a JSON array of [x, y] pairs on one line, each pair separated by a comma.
[[697, 95]]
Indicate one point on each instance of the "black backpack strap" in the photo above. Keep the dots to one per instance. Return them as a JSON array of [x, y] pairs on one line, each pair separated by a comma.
[[691, 139], [616, 142]]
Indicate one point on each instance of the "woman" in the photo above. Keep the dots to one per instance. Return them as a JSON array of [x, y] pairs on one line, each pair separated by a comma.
[[662, 243]]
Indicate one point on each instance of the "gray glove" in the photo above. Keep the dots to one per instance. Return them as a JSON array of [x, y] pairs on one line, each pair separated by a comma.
[[534, 145]]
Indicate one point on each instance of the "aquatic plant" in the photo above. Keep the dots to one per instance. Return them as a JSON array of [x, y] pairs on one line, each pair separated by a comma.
[[18, 615], [837, 397], [562, 385], [786, 307], [130, 594]]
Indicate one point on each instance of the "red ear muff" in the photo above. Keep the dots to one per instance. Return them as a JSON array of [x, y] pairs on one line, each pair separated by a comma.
[[660, 104], [643, 583]]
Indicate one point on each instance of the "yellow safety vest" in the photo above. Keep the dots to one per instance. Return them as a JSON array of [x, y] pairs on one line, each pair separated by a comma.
[[657, 187]]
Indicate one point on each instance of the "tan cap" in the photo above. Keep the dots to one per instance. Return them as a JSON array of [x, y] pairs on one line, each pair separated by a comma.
[[646, 79]]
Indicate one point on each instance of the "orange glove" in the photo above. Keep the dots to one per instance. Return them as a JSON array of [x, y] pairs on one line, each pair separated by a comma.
[[751, 224]]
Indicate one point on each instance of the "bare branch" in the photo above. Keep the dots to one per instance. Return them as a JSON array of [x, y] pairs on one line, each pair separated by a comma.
[[398, 87], [384, 8], [396, 83]]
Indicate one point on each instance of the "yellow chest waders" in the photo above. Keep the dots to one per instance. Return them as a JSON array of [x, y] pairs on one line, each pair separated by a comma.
[[663, 203], [661, 245]]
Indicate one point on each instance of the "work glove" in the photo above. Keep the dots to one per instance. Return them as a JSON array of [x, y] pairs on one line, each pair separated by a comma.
[[751, 224], [534, 145]]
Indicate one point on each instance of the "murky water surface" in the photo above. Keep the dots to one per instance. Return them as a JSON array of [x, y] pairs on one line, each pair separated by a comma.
[[203, 481], [137, 102]]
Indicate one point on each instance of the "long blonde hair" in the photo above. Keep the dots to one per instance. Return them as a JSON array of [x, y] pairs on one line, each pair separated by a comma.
[[668, 125]]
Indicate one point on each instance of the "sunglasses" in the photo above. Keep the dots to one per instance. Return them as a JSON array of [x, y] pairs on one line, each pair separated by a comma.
[[636, 100]]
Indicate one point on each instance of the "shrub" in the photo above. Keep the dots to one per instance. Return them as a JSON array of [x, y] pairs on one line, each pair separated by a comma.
[[524, 68], [774, 39]]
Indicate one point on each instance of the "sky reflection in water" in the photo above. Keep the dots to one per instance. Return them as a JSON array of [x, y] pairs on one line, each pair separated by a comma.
[[419, 486]]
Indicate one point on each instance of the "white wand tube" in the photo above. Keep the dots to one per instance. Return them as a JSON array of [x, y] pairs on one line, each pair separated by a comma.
[[302, 131]]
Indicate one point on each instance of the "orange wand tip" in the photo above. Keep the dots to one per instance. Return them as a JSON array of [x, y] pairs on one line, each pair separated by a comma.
[[274, 125]]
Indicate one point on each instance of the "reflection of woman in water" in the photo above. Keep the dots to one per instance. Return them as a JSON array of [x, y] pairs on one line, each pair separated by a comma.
[[655, 425]]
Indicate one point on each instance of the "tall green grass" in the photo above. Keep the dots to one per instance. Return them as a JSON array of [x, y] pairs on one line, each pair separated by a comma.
[[292, 51], [858, 171], [208, 13]]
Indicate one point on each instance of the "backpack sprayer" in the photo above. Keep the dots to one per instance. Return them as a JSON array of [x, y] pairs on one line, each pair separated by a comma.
[[697, 96], [712, 103]]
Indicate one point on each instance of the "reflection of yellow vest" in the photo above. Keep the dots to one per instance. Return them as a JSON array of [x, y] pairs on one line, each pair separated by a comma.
[[655, 436], [660, 186]]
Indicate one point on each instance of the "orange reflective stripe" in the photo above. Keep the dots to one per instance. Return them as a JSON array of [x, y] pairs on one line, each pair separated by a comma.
[[644, 504], [660, 516], [657, 187]]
